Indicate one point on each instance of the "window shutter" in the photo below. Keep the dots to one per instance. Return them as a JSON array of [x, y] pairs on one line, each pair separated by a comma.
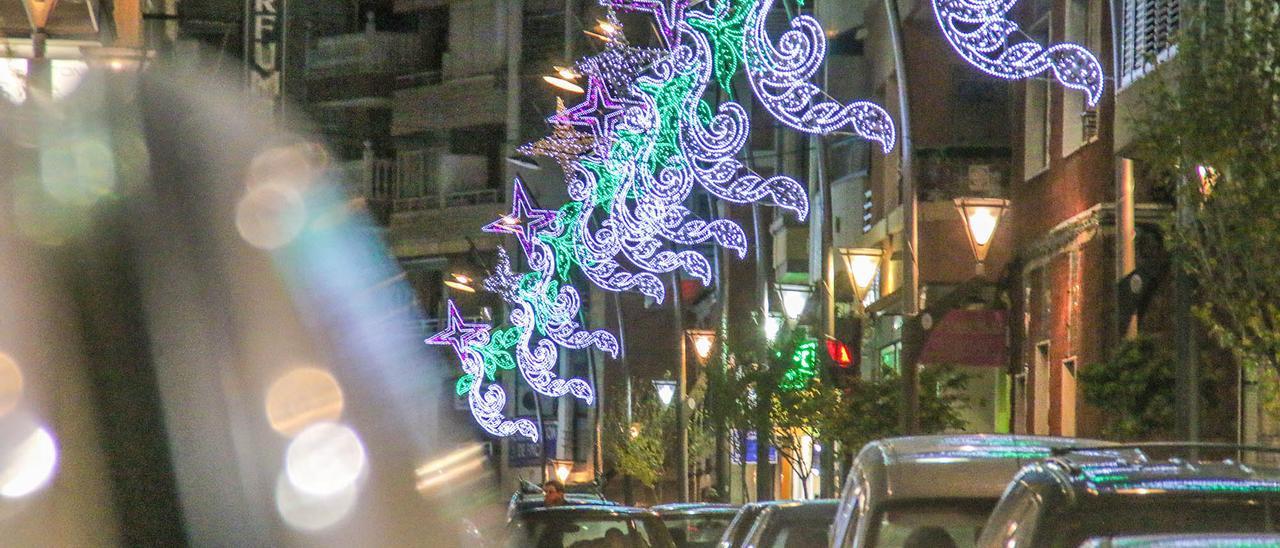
[[1150, 27]]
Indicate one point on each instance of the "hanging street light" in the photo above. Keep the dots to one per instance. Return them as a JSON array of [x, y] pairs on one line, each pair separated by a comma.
[[772, 324], [862, 264], [703, 341], [666, 389], [981, 216], [460, 282], [794, 299], [561, 469]]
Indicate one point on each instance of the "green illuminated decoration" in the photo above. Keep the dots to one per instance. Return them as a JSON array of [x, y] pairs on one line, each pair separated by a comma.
[[803, 366], [724, 29]]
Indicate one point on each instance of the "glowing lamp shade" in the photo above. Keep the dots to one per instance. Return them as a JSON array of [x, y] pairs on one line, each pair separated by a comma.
[[981, 216], [460, 282], [794, 299], [562, 469], [839, 353], [666, 391], [702, 343], [862, 264], [772, 325], [563, 84]]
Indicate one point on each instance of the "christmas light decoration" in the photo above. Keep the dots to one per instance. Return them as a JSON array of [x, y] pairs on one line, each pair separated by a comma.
[[488, 402], [667, 14], [803, 367], [780, 79], [979, 31]]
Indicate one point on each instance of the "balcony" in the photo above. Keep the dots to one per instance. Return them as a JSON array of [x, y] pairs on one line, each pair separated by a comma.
[[360, 69], [427, 198]]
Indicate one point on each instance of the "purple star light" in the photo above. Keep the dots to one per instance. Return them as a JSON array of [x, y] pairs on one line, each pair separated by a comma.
[[599, 111], [459, 334], [524, 220]]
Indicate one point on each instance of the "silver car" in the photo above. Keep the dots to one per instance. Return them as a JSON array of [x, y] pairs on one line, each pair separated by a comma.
[[932, 491]]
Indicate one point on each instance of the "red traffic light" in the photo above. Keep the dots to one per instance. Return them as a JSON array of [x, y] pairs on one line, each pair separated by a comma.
[[839, 353]]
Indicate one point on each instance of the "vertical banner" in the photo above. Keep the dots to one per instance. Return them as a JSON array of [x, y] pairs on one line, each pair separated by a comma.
[[264, 54]]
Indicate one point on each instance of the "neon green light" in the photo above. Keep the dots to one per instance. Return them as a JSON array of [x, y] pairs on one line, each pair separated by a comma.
[[803, 368]]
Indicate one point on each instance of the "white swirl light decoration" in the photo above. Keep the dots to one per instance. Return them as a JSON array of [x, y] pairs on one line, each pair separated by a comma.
[[486, 402], [780, 79], [979, 32]]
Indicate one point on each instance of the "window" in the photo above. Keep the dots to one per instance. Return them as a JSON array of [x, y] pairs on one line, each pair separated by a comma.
[[1147, 31], [1067, 397], [1036, 125], [1041, 396], [1079, 122]]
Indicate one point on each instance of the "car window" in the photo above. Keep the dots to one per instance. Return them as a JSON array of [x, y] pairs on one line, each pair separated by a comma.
[[557, 531], [736, 534], [797, 534], [1014, 520], [1170, 514], [697, 531], [933, 524], [845, 526]]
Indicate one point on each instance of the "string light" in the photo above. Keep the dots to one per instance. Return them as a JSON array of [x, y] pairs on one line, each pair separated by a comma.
[[979, 31], [667, 14], [780, 79]]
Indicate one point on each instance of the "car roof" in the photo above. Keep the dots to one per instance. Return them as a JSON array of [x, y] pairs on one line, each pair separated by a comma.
[[1171, 476], [694, 508], [592, 510], [1233, 540], [961, 465], [800, 508]]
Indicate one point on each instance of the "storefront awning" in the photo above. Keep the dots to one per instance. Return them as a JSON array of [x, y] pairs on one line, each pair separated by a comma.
[[968, 337]]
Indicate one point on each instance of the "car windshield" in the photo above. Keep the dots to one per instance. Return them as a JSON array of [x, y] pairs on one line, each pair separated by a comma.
[[937, 524], [574, 530], [1133, 516], [697, 530], [740, 526], [799, 530]]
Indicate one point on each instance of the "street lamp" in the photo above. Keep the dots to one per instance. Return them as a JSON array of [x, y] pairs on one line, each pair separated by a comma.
[[666, 390], [794, 299], [772, 324], [862, 264], [561, 469], [703, 340], [460, 282], [981, 216]]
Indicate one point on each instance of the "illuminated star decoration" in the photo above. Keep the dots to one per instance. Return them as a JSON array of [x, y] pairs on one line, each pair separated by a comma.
[[780, 79], [979, 32], [487, 403], [524, 221], [599, 111], [459, 334], [666, 14], [564, 145]]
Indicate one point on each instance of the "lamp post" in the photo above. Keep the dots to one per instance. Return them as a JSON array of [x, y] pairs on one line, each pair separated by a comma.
[[666, 389], [862, 264], [794, 299], [981, 216]]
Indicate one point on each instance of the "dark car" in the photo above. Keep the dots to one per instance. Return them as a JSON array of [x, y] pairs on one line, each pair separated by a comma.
[[1063, 502], [1221, 540], [696, 525], [795, 524], [522, 502], [736, 533], [588, 527]]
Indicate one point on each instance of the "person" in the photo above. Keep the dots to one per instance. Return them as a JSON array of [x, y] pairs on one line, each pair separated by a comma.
[[553, 492]]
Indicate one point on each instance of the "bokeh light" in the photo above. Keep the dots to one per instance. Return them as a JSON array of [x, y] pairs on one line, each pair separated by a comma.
[[78, 170], [324, 459], [270, 215], [28, 466], [10, 384], [307, 512], [302, 397]]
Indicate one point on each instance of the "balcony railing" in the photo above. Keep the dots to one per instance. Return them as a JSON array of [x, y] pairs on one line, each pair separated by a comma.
[[411, 182]]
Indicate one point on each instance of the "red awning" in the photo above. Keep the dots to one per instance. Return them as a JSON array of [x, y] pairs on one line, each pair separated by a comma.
[[968, 337]]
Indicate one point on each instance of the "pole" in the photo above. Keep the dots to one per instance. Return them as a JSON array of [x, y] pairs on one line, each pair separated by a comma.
[[1187, 380], [911, 274], [1126, 261], [682, 408], [826, 464], [628, 495]]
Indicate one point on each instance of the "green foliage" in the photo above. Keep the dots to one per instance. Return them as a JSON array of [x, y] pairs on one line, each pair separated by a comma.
[[639, 449], [1217, 104], [872, 408], [1134, 389]]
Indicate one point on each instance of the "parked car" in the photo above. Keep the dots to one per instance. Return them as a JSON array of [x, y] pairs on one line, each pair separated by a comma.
[[736, 533], [1065, 501], [921, 489], [588, 527], [1185, 541], [696, 525], [793, 524], [531, 496]]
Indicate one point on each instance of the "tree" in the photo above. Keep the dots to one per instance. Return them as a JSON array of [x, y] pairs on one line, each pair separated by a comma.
[[639, 448], [870, 408], [801, 418], [1213, 118], [1133, 389]]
